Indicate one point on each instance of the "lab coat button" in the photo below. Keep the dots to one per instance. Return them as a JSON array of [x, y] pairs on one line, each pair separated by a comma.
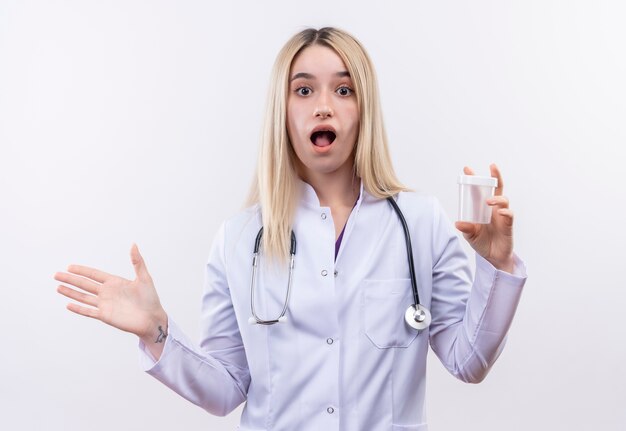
[[323, 216], [336, 272], [324, 273], [330, 410], [329, 341]]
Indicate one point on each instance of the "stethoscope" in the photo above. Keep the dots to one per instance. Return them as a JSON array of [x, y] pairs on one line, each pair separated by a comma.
[[416, 316]]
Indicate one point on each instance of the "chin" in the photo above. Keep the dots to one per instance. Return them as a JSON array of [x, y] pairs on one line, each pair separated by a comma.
[[326, 167]]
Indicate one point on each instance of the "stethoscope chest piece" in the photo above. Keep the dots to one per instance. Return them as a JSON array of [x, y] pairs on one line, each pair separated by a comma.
[[417, 317]]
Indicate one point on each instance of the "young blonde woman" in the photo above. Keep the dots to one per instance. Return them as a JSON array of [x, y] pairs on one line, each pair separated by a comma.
[[323, 344]]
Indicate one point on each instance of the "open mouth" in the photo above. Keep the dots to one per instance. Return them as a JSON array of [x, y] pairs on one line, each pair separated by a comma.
[[323, 138]]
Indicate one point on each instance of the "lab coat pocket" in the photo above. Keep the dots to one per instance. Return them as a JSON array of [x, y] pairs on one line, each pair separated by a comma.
[[384, 305]]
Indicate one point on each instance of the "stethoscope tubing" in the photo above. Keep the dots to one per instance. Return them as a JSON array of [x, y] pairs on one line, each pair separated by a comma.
[[409, 249], [255, 260], [416, 316]]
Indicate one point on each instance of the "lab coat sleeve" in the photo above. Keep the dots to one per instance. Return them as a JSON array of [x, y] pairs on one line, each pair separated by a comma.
[[213, 375], [470, 320]]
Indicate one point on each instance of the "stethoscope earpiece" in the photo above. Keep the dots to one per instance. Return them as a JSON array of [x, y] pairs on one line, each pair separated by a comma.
[[417, 317]]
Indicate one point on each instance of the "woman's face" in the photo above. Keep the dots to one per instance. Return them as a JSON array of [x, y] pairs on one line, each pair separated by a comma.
[[322, 112]]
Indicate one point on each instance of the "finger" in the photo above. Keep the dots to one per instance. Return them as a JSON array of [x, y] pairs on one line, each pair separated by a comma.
[[466, 227], [77, 281], [83, 311], [495, 172], [507, 214], [91, 273], [138, 263], [498, 201], [78, 296], [468, 171]]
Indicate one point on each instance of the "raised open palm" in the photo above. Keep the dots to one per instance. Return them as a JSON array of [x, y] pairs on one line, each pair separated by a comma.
[[131, 306]]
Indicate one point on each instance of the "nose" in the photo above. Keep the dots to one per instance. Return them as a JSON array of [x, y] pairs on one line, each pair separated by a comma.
[[324, 112], [323, 109]]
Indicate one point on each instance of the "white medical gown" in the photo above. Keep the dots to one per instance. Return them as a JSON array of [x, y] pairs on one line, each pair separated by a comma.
[[345, 359]]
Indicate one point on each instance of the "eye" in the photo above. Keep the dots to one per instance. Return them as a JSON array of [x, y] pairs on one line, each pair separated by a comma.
[[303, 91], [344, 91]]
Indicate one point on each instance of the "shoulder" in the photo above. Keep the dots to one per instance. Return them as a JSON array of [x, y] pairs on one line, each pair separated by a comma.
[[419, 205], [425, 213], [420, 210], [416, 198], [414, 205], [236, 228], [243, 216], [240, 223]]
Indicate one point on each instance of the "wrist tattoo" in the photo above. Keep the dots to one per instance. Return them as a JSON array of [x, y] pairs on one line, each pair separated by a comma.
[[162, 335]]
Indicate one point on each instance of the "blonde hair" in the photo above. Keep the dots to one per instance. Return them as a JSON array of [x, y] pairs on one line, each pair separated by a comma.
[[275, 187]]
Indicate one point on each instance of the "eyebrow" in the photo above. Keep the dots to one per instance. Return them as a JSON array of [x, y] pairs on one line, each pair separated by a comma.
[[341, 74]]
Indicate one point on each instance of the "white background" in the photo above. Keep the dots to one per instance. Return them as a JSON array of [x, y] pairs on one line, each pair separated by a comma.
[[138, 121]]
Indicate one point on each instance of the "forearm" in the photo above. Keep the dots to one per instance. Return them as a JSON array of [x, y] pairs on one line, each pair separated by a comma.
[[212, 380], [469, 348]]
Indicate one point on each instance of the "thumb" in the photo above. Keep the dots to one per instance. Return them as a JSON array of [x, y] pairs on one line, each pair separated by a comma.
[[138, 263], [468, 229]]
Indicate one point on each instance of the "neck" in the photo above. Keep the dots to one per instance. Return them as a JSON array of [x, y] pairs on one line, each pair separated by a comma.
[[336, 189]]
